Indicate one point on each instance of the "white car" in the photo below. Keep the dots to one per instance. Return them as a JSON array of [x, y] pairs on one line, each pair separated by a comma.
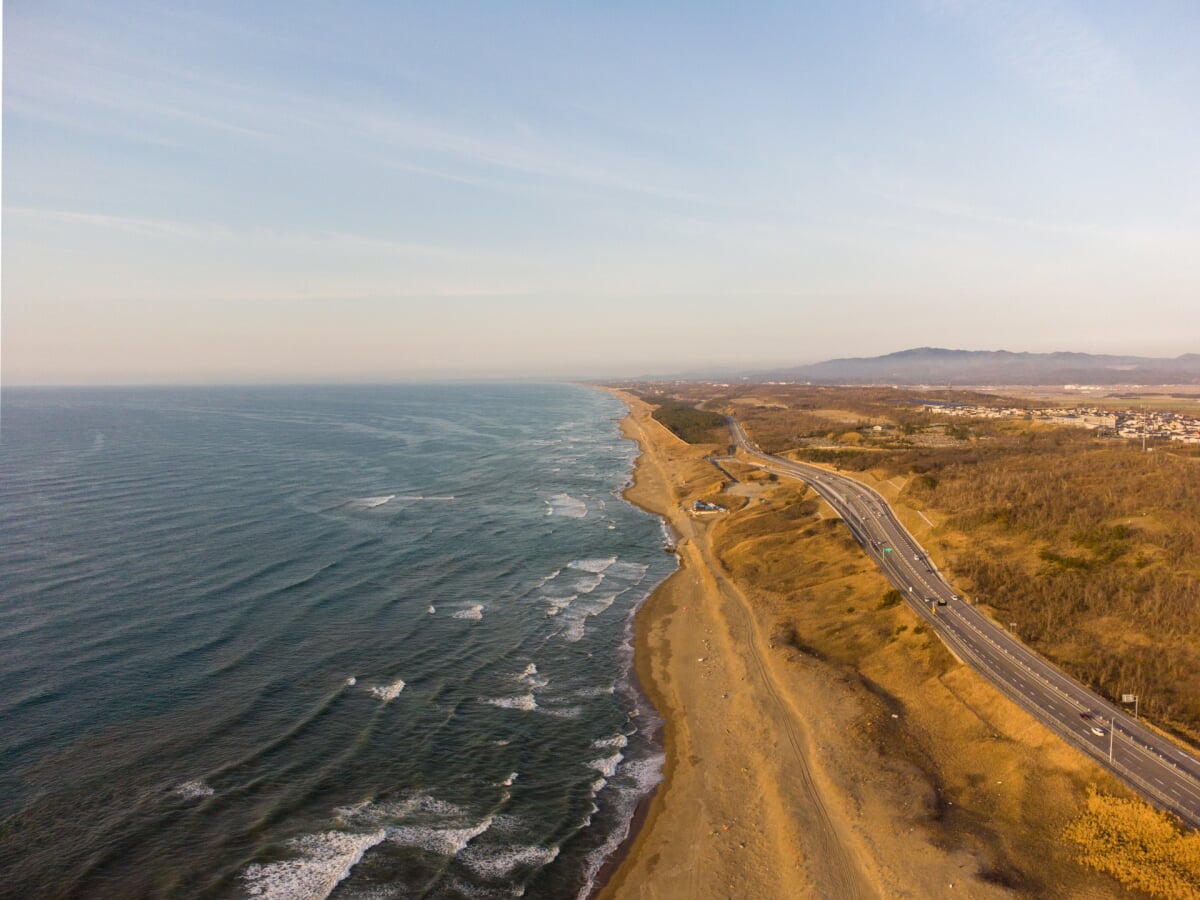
[[1098, 731]]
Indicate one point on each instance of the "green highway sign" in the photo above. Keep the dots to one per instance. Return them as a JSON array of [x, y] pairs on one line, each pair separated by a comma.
[[887, 549]]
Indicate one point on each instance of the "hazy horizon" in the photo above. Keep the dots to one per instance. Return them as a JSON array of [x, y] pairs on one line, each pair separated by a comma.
[[305, 194]]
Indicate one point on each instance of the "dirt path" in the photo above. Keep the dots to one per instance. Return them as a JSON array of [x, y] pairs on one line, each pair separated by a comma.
[[833, 870]]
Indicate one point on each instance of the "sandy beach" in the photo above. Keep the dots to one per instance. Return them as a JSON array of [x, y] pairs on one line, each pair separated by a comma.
[[793, 774]]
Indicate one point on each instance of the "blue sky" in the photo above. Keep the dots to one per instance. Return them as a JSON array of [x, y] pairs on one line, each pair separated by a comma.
[[375, 191]]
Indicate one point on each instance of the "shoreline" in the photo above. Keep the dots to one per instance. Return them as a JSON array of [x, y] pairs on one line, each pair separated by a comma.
[[608, 877]]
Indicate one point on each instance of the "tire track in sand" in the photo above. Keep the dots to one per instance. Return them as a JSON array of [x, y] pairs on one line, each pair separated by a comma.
[[836, 873]]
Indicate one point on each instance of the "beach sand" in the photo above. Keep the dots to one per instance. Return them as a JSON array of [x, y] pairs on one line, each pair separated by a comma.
[[788, 775]]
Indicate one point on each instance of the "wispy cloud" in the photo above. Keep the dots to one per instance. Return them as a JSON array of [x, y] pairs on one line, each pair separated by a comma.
[[155, 99], [1052, 45], [468, 153], [326, 240], [126, 224]]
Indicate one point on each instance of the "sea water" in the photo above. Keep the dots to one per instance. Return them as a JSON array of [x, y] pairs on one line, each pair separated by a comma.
[[308, 642]]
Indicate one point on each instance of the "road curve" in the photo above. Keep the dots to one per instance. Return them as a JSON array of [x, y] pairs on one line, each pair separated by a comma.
[[1166, 775]]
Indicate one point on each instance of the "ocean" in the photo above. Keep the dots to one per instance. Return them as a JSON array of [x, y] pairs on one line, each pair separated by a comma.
[[359, 642]]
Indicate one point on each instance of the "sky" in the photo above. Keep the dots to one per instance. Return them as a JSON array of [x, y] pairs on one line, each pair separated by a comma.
[[378, 191]]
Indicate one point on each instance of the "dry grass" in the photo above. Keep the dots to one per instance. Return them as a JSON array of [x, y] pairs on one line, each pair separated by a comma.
[[1143, 848]]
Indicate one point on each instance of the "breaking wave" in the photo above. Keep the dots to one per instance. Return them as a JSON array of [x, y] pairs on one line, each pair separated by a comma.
[[607, 766], [388, 692], [193, 790], [525, 701], [501, 863], [320, 861], [566, 506], [595, 566], [372, 502]]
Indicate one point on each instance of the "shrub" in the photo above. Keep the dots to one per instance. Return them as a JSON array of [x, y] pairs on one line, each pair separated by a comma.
[[1142, 847]]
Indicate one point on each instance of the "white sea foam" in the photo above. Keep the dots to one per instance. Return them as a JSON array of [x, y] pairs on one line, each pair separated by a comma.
[[193, 790], [645, 773], [388, 692], [628, 571], [321, 861], [607, 766], [444, 841], [566, 506], [595, 566], [382, 813], [525, 702], [617, 740], [474, 613], [498, 863], [669, 540], [587, 606], [562, 712], [372, 502], [349, 813], [425, 803], [585, 584], [531, 677], [558, 604], [598, 691]]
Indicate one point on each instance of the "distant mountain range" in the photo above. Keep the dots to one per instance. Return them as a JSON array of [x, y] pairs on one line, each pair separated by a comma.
[[933, 365]]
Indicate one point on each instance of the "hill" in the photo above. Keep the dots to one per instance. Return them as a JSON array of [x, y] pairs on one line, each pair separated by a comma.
[[934, 365]]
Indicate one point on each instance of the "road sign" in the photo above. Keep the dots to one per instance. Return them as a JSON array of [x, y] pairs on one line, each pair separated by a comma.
[[887, 549], [1129, 698]]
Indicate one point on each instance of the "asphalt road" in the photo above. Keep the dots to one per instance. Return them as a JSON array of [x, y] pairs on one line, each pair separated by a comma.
[[1153, 766]]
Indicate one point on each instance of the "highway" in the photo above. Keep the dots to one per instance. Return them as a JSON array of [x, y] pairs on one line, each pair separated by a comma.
[[1159, 770]]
